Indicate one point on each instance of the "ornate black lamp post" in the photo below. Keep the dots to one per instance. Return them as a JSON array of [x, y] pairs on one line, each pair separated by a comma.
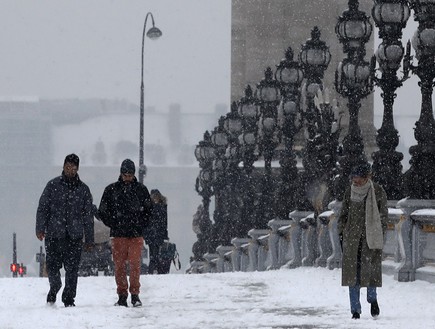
[[390, 17], [290, 75], [268, 94], [234, 191], [315, 58], [204, 153], [419, 180], [353, 79], [153, 33], [221, 230], [248, 148]]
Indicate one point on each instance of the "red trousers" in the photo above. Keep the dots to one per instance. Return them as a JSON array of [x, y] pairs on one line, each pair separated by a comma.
[[127, 250]]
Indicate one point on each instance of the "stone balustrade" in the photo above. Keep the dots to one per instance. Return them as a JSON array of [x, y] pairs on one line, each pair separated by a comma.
[[303, 240]]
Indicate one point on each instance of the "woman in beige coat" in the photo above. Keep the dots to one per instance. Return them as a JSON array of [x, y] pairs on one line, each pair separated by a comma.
[[361, 225]]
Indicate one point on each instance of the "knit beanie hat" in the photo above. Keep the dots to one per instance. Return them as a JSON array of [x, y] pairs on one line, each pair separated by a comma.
[[361, 170], [72, 158], [128, 167]]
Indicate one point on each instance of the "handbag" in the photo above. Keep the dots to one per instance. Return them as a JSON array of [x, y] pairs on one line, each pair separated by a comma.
[[168, 251]]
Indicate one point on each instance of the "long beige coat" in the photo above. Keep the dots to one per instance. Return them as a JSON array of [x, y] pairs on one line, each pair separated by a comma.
[[351, 224]]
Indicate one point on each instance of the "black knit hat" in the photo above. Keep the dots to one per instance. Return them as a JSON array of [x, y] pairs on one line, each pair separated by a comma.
[[72, 158], [361, 170], [128, 167]]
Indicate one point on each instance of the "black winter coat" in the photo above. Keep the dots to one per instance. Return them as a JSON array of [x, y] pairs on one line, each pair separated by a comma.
[[65, 208], [157, 230], [125, 208]]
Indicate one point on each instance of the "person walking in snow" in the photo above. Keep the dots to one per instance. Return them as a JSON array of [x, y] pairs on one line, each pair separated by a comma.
[[157, 232], [125, 208], [361, 226], [63, 217]]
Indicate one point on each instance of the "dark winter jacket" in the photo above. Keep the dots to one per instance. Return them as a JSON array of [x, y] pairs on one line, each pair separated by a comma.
[[125, 208], [351, 225], [157, 230], [65, 208]]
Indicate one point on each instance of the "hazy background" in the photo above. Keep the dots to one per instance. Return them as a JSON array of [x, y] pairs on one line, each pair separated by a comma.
[[81, 49]]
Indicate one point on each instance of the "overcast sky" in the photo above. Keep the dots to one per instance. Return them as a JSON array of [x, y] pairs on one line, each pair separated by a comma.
[[92, 48]]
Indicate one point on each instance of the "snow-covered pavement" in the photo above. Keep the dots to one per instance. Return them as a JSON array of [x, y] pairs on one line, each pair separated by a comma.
[[300, 298]]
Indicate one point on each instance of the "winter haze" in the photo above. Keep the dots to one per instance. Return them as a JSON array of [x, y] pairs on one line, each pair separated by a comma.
[[82, 49]]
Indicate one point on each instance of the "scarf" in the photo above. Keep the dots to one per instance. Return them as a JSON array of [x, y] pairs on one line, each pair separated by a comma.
[[374, 234]]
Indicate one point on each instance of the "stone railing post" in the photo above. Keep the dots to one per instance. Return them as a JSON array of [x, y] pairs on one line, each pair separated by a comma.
[[196, 267], [334, 260], [296, 238], [406, 270], [324, 241], [210, 262], [278, 244], [424, 244], [222, 250], [244, 256], [237, 252], [254, 247], [391, 255], [309, 223]]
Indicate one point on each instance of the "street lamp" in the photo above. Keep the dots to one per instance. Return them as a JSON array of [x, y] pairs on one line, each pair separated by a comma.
[[249, 112], [153, 33], [390, 17], [269, 97], [315, 58], [204, 153], [221, 230], [353, 79], [290, 75], [419, 180]]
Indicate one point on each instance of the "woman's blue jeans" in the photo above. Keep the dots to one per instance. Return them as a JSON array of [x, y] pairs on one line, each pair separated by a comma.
[[354, 294]]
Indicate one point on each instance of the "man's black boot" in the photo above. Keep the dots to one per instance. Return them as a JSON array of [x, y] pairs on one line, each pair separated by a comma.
[[122, 301]]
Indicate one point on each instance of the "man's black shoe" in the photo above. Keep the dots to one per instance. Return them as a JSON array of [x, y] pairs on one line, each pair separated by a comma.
[[70, 304], [122, 301], [355, 315], [374, 309], [135, 301], [51, 297]]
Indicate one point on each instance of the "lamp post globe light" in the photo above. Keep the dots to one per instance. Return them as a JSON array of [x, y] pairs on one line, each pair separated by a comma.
[[353, 80], [419, 180], [390, 17], [153, 33]]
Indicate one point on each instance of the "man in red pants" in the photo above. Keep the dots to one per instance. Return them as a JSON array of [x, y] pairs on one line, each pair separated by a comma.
[[125, 208]]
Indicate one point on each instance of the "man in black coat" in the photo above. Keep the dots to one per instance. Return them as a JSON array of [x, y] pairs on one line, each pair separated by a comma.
[[64, 215], [125, 208]]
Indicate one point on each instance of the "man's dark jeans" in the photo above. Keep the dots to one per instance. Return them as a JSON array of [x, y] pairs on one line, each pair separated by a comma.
[[66, 252]]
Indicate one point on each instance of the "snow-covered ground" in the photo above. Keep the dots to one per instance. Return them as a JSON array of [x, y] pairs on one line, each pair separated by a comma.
[[300, 298]]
